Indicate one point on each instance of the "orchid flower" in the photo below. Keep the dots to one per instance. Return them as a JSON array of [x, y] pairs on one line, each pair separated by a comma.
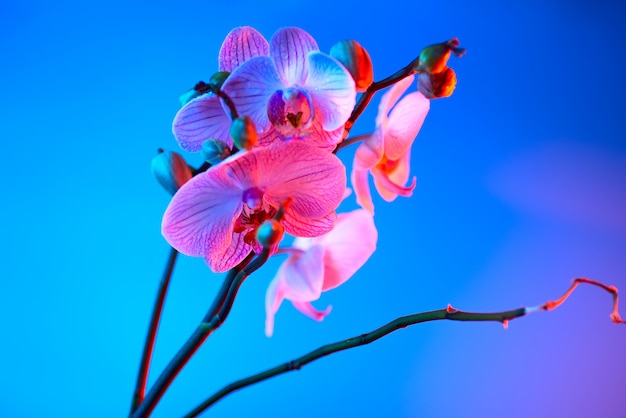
[[387, 152], [216, 213], [296, 91], [316, 265], [204, 118]]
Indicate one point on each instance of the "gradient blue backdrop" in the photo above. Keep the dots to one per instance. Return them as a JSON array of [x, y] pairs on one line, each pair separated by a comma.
[[521, 186]]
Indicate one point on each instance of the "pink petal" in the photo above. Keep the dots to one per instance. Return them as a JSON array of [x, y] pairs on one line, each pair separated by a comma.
[[360, 184], [325, 139], [370, 152], [273, 299], [308, 227], [289, 48], [405, 121], [390, 98], [308, 309], [391, 184], [240, 45], [302, 275], [250, 87], [348, 246], [332, 89], [199, 218], [230, 257], [201, 119], [313, 178]]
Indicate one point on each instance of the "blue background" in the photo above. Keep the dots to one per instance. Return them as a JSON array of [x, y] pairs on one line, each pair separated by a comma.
[[521, 187]]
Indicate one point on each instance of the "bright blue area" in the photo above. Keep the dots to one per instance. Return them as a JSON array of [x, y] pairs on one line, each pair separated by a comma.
[[521, 186]]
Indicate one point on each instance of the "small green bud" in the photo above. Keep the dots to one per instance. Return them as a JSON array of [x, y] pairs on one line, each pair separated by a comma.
[[217, 79], [243, 132], [434, 86], [434, 58], [170, 170], [356, 60], [269, 233], [214, 151]]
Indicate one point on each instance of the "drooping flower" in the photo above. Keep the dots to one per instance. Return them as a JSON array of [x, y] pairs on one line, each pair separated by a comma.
[[387, 152], [204, 118], [296, 91], [215, 215], [316, 265]]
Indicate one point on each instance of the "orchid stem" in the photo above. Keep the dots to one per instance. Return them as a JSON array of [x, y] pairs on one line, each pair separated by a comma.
[[146, 357], [215, 316], [350, 141], [448, 313]]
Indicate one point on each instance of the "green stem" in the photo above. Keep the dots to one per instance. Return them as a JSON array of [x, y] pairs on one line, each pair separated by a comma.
[[148, 347]]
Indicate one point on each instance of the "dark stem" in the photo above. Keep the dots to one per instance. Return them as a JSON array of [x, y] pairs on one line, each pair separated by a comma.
[[449, 313], [350, 141], [214, 317], [365, 98], [148, 347]]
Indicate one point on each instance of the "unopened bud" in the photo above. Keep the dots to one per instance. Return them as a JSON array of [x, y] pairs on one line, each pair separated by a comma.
[[356, 60], [269, 233], [434, 86], [170, 170], [434, 58], [218, 79], [243, 132], [198, 90], [214, 151]]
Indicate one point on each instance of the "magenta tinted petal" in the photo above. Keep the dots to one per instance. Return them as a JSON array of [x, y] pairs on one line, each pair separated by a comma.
[[199, 120], [348, 246], [308, 227], [332, 89], [390, 98], [310, 311], [240, 45], [289, 48], [370, 152], [405, 121], [392, 184], [303, 275], [250, 87], [273, 299], [233, 255], [199, 218], [360, 184]]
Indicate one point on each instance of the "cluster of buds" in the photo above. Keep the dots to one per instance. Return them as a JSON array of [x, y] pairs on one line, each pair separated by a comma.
[[435, 79]]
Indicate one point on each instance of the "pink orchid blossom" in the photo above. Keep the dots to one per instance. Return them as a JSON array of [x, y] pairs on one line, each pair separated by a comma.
[[316, 265], [204, 117], [296, 91], [387, 152], [216, 213]]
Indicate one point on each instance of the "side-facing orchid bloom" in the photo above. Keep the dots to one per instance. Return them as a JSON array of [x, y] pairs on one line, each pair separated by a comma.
[[216, 213], [387, 152], [204, 118], [297, 90], [316, 265]]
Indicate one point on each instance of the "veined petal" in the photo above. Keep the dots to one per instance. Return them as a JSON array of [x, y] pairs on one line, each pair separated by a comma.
[[360, 184], [308, 227], [325, 139], [370, 152], [313, 178], [332, 89], [348, 246], [405, 121], [230, 257], [308, 309], [240, 45], [201, 119], [250, 86], [302, 275], [199, 218], [289, 48], [390, 98]]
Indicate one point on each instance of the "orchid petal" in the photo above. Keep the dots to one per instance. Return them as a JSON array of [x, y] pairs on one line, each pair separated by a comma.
[[273, 299], [308, 309], [360, 184], [199, 120], [240, 45], [231, 256], [390, 98], [289, 48], [302, 274], [332, 89], [405, 121], [348, 246], [308, 227], [390, 185], [370, 152], [199, 218], [325, 139], [250, 86]]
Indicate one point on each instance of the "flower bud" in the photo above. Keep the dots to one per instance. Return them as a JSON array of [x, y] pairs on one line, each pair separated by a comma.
[[356, 60], [170, 170], [434, 58], [198, 90], [434, 86], [214, 151], [243, 132], [269, 233], [217, 79]]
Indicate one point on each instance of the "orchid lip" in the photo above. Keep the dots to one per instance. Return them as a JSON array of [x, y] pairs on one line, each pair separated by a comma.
[[291, 111]]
